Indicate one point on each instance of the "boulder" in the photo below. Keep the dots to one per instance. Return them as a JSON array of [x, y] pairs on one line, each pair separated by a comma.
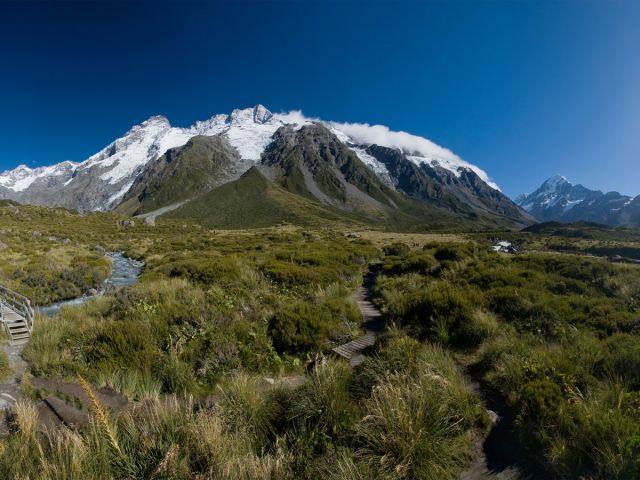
[[127, 223]]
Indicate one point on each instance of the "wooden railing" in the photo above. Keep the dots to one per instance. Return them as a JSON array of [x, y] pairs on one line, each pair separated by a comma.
[[18, 303]]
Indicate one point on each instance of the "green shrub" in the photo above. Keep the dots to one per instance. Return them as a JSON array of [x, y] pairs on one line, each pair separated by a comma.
[[396, 249], [439, 315], [480, 326], [300, 327], [415, 262]]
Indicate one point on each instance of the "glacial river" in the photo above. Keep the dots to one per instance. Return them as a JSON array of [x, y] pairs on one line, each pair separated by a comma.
[[124, 272]]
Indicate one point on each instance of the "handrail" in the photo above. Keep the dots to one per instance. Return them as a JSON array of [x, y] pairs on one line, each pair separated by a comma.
[[6, 325], [19, 304]]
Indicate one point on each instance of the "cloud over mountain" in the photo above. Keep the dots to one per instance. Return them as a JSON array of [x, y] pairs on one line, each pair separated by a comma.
[[418, 147]]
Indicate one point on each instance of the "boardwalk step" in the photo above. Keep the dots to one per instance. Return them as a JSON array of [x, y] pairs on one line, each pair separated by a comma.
[[18, 329], [21, 331], [68, 414], [20, 336]]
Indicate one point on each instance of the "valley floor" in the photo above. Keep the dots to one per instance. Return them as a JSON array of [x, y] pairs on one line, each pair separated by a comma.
[[221, 361]]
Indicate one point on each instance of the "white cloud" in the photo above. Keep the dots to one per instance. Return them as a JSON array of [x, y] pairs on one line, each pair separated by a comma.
[[381, 135], [420, 149], [294, 116]]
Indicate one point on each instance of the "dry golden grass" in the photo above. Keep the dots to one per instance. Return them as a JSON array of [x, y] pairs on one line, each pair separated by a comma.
[[27, 419], [414, 240], [100, 414]]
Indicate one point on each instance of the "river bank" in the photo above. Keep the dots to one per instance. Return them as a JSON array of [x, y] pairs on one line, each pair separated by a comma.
[[125, 272]]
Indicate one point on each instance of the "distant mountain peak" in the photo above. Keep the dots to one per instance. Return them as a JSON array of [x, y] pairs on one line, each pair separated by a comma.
[[557, 180], [557, 199]]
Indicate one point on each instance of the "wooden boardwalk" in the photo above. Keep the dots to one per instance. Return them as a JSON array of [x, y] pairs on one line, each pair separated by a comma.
[[16, 315], [371, 319]]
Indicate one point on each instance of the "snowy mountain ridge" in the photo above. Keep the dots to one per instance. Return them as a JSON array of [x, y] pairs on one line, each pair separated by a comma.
[[557, 199], [99, 182]]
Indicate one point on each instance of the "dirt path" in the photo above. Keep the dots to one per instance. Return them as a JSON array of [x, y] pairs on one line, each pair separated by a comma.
[[10, 386], [493, 453]]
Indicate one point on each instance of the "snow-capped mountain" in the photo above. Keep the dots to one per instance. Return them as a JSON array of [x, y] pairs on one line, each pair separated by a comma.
[[22, 177], [560, 200], [102, 181], [99, 182]]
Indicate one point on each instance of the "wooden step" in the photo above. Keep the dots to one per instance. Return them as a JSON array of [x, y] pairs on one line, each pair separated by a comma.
[[68, 414], [20, 336], [349, 350], [16, 325], [19, 332], [372, 323], [22, 331]]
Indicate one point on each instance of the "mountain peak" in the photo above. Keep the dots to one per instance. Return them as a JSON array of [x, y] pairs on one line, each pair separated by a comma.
[[159, 120], [557, 180], [258, 114]]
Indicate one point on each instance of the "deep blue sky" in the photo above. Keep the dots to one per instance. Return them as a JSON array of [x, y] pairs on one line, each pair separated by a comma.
[[522, 89]]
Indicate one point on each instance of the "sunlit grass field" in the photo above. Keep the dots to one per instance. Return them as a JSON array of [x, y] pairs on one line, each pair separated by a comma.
[[223, 350]]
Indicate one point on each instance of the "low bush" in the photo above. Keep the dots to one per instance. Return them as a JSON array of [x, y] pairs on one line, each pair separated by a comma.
[[396, 249]]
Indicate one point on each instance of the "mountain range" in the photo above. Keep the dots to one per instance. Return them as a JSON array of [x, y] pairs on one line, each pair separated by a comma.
[[558, 199], [255, 168]]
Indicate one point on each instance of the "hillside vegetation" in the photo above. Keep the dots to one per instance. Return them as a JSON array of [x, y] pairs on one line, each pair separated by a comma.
[[39, 258]]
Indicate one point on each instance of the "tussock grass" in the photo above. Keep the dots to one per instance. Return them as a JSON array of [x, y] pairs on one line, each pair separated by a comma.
[[552, 336], [246, 409], [26, 419], [256, 431]]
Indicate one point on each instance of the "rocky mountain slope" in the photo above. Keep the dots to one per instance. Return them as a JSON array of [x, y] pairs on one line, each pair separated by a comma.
[[354, 168], [310, 166], [558, 199], [461, 190], [183, 173]]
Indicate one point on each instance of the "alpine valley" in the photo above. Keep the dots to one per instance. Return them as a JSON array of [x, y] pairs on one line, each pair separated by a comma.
[[253, 168]]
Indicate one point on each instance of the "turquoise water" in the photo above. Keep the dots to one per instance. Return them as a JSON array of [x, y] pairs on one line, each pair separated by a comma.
[[125, 272]]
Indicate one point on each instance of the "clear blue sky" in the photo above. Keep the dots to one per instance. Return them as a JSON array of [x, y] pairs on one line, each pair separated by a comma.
[[522, 89]]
